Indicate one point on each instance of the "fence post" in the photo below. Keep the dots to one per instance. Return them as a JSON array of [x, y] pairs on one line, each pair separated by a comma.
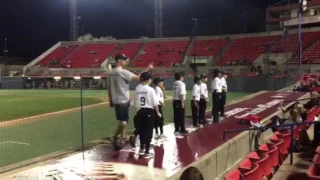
[[291, 145], [81, 113]]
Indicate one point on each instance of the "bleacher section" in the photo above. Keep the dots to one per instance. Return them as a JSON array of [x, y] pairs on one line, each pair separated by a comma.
[[307, 39], [310, 56], [265, 161], [90, 55], [208, 47], [237, 51], [57, 54], [162, 54], [129, 49]]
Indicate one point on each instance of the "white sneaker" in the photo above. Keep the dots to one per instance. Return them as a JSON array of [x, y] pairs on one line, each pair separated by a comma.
[[156, 137], [148, 156], [141, 151]]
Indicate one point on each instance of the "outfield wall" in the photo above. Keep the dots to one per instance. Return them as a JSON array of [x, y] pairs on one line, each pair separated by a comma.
[[236, 84]]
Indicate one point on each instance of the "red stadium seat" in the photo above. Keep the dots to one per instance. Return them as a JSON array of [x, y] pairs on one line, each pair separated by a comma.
[[316, 158], [280, 144], [234, 174], [273, 153], [314, 172], [286, 136], [263, 161], [247, 165], [251, 174]]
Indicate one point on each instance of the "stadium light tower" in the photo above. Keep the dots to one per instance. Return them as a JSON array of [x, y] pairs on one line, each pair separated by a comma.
[[158, 18], [74, 20]]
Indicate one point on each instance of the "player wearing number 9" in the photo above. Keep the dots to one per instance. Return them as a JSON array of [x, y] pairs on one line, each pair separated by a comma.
[[146, 103]]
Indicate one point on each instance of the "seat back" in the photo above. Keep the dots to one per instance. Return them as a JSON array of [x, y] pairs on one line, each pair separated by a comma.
[[234, 174], [253, 173]]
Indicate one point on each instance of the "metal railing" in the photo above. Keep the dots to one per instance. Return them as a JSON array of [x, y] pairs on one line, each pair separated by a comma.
[[275, 126]]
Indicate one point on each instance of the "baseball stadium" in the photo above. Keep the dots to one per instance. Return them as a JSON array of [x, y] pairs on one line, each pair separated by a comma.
[[57, 120]]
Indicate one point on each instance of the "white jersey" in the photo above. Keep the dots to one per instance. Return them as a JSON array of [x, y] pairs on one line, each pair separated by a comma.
[[204, 91], [196, 92], [145, 97], [179, 89], [224, 83], [216, 85], [159, 94]]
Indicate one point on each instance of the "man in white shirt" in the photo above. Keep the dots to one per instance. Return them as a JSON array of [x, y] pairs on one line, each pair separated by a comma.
[[158, 82], [203, 99], [195, 101], [216, 95], [223, 93], [179, 95], [146, 103]]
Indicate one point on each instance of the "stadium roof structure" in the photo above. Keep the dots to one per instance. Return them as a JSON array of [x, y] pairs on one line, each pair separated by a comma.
[[273, 13]]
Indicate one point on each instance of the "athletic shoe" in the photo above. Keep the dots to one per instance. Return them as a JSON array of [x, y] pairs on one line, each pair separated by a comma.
[[184, 132], [196, 126], [148, 155], [141, 151], [156, 137], [114, 142], [176, 133]]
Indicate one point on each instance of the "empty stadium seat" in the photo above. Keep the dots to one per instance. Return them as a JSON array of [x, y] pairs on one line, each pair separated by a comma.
[[209, 47], [90, 55], [234, 174], [162, 54], [316, 158], [263, 160], [251, 174], [57, 54], [286, 136], [246, 49], [314, 172], [247, 165], [129, 49], [273, 153], [280, 144]]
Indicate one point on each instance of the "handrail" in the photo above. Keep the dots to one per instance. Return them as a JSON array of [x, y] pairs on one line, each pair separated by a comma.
[[275, 126]]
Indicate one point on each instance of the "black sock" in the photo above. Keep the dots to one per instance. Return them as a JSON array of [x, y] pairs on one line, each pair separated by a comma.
[[161, 129], [147, 147]]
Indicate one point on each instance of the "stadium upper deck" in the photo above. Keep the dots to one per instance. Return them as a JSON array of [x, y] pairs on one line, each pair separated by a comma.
[[233, 49]]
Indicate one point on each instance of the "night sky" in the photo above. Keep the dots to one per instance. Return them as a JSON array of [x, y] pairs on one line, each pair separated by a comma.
[[33, 26]]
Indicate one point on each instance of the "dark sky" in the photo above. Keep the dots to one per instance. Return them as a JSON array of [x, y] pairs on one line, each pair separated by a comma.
[[33, 26]]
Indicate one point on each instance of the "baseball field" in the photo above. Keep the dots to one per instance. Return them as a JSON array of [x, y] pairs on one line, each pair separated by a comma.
[[34, 123]]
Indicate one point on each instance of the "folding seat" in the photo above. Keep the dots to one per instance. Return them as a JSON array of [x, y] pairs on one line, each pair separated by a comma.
[[286, 136], [280, 144], [234, 174], [313, 172], [273, 153], [247, 165], [316, 159], [251, 174], [263, 160]]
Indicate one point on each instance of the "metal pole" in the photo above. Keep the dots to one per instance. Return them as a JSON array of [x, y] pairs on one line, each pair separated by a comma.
[[300, 40], [81, 111], [291, 145], [245, 34], [268, 49], [288, 40], [220, 40], [5, 55]]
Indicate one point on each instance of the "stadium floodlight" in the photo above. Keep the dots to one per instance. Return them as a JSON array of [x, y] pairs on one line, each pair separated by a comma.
[[96, 77], [77, 77], [57, 77], [304, 5]]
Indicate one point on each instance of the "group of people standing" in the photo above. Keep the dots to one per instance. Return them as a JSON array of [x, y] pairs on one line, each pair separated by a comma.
[[149, 103]]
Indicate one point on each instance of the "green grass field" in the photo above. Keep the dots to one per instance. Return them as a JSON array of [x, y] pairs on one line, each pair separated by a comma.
[[46, 134]]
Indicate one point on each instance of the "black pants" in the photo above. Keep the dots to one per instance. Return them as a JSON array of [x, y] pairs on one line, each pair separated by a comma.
[[202, 110], [136, 125], [159, 122], [145, 122], [178, 116], [195, 112], [316, 136], [215, 106], [223, 99]]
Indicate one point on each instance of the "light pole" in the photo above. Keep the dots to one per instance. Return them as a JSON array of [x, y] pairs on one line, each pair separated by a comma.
[[5, 51], [194, 38]]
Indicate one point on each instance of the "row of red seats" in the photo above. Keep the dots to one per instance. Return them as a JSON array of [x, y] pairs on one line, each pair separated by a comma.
[[260, 163], [57, 54], [208, 47], [247, 49]]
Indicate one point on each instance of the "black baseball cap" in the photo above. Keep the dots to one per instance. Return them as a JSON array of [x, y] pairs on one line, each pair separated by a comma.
[[120, 56], [178, 75], [145, 76], [196, 79], [203, 76], [156, 80]]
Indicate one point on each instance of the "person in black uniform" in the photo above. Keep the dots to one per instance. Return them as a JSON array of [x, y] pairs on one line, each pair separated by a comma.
[[216, 95]]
